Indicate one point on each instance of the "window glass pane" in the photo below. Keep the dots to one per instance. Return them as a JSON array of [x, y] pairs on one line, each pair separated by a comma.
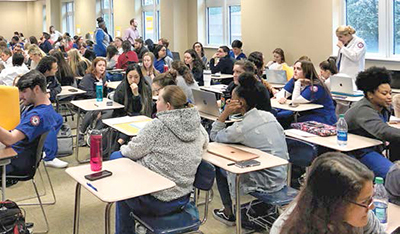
[[362, 15], [235, 23], [215, 29], [70, 23], [106, 4], [149, 25], [158, 25], [396, 28], [69, 6], [147, 2], [44, 28]]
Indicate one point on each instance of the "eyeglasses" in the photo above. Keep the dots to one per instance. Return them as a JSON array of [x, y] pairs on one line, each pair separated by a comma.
[[369, 206]]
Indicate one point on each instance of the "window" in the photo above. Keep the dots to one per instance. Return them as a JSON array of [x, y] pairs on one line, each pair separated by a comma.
[[151, 19], [378, 23], [105, 9], [223, 22], [44, 19], [67, 12]]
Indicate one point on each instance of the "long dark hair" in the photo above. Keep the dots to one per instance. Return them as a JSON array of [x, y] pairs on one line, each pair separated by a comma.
[[333, 181], [64, 73], [202, 48], [183, 70], [144, 91], [197, 63], [310, 73], [248, 90], [329, 65]]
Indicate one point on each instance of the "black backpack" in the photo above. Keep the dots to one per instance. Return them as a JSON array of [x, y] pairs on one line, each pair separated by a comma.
[[12, 220]]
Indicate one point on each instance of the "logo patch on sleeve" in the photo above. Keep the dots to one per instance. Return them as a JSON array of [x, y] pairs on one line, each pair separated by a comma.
[[35, 120], [360, 45], [314, 88]]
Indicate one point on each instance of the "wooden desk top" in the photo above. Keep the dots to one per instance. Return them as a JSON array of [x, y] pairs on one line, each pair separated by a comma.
[[222, 76], [354, 142], [129, 180], [113, 84], [346, 98], [6, 152], [266, 160], [299, 108], [65, 91], [393, 217], [92, 104], [124, 124], [278, 86], [395, 90], [219, 88]]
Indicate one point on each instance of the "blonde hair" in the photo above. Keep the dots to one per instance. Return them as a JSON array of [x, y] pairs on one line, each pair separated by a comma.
[[175, 96], [74, 58], [151, 68], [345, 30], [35, 50]]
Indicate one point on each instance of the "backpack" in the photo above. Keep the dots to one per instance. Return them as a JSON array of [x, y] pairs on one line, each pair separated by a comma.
[[108, 136], [12, 220], [64, 141]]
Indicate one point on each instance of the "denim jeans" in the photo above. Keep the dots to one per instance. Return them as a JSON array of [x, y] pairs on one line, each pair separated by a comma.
[[223, 187]]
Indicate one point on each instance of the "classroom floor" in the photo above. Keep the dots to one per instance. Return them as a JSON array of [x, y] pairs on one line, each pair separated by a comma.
[[60, 215]]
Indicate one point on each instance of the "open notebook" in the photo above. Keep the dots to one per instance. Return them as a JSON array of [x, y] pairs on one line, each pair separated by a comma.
[[231, 153]]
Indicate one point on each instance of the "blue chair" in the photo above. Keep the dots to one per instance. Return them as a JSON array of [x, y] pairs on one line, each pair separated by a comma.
[[187, 220]]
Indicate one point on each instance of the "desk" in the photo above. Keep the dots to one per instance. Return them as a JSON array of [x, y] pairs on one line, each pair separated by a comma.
[[123, 124], [277, 86], [6, 153], [218, 88], [354, 142], [129, 180], [393, 217], [222, 76], [113, 84], [266, 161], [91, 105], [65, 92], [349, 99], [297, 109], [395, 90]]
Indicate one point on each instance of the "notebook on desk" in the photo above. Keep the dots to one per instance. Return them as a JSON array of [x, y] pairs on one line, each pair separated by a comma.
[[344, 85], [231, 153]]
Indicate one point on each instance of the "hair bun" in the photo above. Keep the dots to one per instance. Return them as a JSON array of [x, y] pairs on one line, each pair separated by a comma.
[[247, 80]]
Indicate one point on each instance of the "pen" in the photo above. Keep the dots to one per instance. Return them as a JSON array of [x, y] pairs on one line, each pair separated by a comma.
[[231, 164], [90, 185], [96, 105]]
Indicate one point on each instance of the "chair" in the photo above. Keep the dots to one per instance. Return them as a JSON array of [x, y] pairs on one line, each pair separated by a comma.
[[31, 174], [9, 108], [188, 219]]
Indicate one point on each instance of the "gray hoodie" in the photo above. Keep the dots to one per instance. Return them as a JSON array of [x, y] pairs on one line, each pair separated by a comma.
[[171, 145]]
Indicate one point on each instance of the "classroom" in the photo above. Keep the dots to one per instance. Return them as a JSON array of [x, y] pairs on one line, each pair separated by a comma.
[[164, 116]]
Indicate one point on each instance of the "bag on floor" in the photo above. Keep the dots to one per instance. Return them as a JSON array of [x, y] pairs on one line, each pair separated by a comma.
[[12, 220], [64, 141]]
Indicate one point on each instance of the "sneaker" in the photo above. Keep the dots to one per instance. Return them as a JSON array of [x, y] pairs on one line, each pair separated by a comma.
[[56, 163], [220, 216]]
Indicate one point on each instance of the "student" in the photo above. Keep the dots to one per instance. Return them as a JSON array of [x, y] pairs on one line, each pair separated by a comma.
[[64, 73], [38, 118], [33, 41], [54, 34], [306, 87], [148, 69], [160, 53], [368, 117], [337, 198], [192, 60], [132, 32], [118, 43], [240, 67], [140, 49], [171, 145], [257, 58], [225, 62], [35, 55], [45, 44], [396, 105], [8, 74], [198, 47], [102, 39], [127, 57], [78, 63], [112, 57], [352, 49], [48, 67], [327, 70], [165, 43], [392, 183], [162, 80], [236, 52], [15, 41], [248, 132], [186, 76], [6, 57], [278, 61]]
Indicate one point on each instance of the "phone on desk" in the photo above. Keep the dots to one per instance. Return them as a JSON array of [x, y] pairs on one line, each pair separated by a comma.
[[248, 163], [98, 175], [73, 90]]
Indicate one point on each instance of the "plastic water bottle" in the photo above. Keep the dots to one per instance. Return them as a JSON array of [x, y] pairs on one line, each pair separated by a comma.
[[380, 201], [341, 128], [96, 150], [99, 91]]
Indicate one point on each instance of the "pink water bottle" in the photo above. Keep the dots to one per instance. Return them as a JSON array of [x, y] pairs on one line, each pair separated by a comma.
[[165, 67], [96, 150]]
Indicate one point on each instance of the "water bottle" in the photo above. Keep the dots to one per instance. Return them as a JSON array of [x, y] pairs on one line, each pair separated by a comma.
[[96, 150], [380, 201], [341, 128], [99, 91]]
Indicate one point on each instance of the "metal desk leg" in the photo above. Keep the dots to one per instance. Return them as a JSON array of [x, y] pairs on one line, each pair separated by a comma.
[[3, 184], [77, 136], [77, 207], [238, 213], [107, 218]]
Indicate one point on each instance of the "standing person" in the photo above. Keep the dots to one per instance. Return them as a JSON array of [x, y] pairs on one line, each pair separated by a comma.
[[48, 67], [236, 52], [140, 49], [337, 198], [127, 57], [160, 53], [225, 62], [352, 49], [54, 34], [102, 39], [198, 47], [192, 60], [132, 32], [148, 69], [327, 70]]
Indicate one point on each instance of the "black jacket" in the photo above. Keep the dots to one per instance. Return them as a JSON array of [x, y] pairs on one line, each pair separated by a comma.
[[53, 86], [225, 65], [88, 83]]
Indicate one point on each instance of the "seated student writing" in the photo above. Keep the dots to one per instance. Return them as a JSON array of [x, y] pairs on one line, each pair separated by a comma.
[[368, 117], [337, 198], [171, 145], [36, 120], [306, 87], [258, 129]]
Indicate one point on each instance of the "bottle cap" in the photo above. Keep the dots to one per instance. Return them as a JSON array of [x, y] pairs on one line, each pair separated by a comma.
[[378, 180], [341, 116]]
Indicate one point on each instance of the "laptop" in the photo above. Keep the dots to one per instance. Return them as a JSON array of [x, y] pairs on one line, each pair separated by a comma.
[[206, 102], [276, 76], [231, 153], [344, 85]]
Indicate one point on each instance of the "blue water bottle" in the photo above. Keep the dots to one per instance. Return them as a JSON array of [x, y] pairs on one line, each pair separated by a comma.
[[99, 91], [341, 128]]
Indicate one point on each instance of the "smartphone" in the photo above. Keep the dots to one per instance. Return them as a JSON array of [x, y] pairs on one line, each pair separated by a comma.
[[98, 175], [73, 90], [247, 163], [109, 103]]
